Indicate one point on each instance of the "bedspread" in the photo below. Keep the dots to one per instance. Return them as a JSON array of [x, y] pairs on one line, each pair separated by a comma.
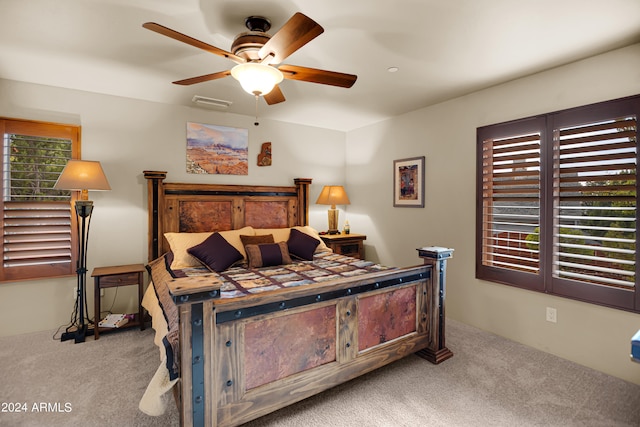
[[240, 281]]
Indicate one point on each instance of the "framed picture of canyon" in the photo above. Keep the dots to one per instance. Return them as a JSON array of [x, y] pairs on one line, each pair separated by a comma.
[[218, 150], [408, 183]]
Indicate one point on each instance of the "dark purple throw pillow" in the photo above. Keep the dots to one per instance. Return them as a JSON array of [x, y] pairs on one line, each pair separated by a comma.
[[216, 253], [301, 245]]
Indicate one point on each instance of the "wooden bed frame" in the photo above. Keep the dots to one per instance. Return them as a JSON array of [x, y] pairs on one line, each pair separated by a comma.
[[243, 358]]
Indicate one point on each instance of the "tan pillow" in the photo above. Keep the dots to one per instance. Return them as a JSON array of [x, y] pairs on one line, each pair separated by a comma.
[[180, 242], [279, 234], [233, 237]]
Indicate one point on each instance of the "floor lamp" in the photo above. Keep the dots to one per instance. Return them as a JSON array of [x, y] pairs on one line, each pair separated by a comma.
[[81, 175]]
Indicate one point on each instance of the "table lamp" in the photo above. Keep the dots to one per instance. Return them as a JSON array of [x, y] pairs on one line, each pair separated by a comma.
[[333, 195]]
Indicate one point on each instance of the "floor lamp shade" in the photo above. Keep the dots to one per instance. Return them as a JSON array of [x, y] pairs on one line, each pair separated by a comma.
[[82, 175], [333, 195]]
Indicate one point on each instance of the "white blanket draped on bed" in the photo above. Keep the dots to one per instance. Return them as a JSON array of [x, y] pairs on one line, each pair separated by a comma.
[[154, 401]]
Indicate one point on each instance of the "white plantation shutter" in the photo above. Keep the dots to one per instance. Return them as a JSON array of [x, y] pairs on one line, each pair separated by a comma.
[[38, 230]]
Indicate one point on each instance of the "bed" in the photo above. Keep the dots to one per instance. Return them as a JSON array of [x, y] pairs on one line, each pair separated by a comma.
[[236, 346]]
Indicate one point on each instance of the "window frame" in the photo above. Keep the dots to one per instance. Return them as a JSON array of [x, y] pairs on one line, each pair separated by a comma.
[[42, 129], [544, 281]]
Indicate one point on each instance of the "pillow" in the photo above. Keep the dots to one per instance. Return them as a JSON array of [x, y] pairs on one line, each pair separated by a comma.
[[282, 235], [267, 255], [256, 240], [233, 237], [216, 253], [180, 242], [279, 234], [301, 245], [322, 247]]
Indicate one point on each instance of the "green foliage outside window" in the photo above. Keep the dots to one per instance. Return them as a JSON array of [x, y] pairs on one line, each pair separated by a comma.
[[613, 232], [533, 240], [34, 166]]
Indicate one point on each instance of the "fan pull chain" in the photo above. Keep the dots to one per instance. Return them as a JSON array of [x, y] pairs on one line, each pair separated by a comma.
[[256, 122]]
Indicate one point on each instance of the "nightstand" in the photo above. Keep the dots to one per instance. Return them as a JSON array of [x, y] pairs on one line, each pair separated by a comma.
[[110, 277], [345, 244]]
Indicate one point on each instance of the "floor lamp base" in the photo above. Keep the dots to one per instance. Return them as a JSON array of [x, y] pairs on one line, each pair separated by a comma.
[[78, 329], [78, 335]]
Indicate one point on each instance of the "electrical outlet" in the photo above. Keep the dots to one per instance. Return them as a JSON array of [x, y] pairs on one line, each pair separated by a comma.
[[101, 292], [552, 315]]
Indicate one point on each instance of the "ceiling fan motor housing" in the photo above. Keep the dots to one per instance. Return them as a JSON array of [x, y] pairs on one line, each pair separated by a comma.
[[247, 44]]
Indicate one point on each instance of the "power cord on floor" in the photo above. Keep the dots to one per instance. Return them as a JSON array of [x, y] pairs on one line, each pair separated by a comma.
[[74, 315]]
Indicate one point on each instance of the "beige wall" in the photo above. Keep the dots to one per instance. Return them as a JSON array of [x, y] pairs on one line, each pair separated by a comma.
[[128, 136], [594, 336]]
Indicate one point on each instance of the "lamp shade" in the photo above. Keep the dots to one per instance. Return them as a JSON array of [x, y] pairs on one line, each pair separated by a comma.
[[82, 175], [333, 195], [256, 78]]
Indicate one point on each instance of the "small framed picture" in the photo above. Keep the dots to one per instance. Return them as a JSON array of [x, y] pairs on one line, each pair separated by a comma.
[[408, 183]]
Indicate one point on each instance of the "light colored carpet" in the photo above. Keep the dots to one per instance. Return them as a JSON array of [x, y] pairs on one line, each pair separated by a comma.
[[490, 381]]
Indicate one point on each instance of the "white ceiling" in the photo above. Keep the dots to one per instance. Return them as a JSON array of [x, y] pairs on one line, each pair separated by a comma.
[[443, 48]]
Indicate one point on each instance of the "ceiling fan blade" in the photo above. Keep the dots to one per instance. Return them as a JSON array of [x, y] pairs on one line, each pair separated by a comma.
[[204, 78], [298, 31], [275, 96], [160, 29], [333, 78]]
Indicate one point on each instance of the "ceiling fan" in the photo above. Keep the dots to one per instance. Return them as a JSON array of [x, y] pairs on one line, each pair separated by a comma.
[[259, 56]]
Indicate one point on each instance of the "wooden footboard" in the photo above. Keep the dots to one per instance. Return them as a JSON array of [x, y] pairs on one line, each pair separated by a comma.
[[253, 356]]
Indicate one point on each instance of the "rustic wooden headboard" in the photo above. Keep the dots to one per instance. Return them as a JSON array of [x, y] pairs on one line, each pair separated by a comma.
[[190, 208]]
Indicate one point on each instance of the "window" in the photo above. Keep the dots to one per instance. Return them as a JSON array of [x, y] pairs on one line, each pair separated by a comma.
[[557, 203], [38, 230]]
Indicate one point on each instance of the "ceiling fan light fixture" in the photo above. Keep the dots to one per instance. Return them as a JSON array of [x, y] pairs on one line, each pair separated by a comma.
[[257, 78]]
